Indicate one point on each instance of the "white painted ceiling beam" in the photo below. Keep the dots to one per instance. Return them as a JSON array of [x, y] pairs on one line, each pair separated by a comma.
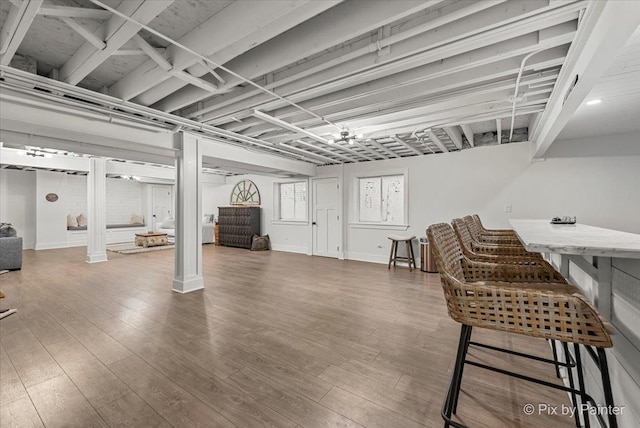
[[468, 132], [321, 32], [88, 35], [406, 145], [252, 160], [358, 49], [384, 148], [445, 76], [296, 13], [363, 145], [435, 140], [604, 29], [344, 148], [116, 32], [428, 47], [152, 53], [240, 25], [322, 149], [425, 117], [285, 125], [74, 12], [431, 108], [17, 25], [454, 133], [307, 154]]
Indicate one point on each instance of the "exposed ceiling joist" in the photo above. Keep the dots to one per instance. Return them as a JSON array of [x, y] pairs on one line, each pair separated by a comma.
[[285, 125], [385, 149], [73, 12], [407, 146], [88, 35], [234, 26], [318, 158], [116, 33], [428, 47], [321, 32], [454, 133], [152, 53], [15, 28], [322, 149], [435, 140], [468, 132]]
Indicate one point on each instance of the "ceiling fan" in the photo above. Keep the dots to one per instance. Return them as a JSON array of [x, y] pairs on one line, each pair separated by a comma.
[[346, 137]]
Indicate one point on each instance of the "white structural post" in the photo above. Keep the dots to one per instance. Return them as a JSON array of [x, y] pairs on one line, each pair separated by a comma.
[[96, 211], [188, 269]]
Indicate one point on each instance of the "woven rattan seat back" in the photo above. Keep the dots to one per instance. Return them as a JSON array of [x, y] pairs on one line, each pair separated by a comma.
[[463, 234], [447, 251], [474, 230]]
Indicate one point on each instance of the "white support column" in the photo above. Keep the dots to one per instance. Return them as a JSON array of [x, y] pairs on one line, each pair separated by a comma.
[[188, 267], [96, 211]]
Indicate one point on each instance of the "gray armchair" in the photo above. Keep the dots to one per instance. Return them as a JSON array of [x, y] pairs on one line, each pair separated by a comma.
[[10, 248]]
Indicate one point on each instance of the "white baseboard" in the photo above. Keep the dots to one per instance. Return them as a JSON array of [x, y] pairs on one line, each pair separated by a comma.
[[289, 248], [52, 246], [366, 257]]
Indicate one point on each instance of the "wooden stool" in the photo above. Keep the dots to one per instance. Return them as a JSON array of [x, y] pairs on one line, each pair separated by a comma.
[[394, 250]]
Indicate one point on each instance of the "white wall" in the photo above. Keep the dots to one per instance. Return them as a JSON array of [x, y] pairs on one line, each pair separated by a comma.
[[601, 191], [124, 198], [51, 217], [18, 203]]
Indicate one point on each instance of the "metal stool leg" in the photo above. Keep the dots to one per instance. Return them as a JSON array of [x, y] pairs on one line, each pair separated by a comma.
[[585, 413], [555, 357], [456, 377], [567, 359], [456, 395], [606, 386]]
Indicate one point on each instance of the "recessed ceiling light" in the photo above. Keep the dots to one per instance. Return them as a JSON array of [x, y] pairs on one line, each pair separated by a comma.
[[593, 102]]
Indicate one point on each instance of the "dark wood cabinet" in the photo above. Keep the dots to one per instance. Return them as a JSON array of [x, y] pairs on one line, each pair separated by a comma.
[[237, 225]]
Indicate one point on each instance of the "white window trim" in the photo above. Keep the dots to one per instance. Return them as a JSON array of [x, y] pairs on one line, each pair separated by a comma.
[[355, 200], [276, 204]]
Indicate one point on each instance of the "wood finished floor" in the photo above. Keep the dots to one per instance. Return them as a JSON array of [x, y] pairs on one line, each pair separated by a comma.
[[275, 339]]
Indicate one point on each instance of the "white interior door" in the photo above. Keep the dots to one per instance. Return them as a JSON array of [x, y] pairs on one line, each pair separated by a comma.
[[162, 203], [326, 217]]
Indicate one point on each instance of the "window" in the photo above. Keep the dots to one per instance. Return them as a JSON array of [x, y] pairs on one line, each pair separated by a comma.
[[292, 198], [382, 200]]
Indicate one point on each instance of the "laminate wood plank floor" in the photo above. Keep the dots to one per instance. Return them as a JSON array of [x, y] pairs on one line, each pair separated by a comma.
[[275, 339]]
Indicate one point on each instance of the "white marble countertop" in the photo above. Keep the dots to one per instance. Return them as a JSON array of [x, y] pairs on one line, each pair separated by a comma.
[[543, 237]]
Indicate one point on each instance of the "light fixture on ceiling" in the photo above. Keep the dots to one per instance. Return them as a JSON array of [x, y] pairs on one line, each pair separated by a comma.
[[594, 102], [35, 153], [345, 137]]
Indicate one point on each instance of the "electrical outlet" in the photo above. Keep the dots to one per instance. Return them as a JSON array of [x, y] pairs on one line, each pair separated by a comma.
[[507, 208]]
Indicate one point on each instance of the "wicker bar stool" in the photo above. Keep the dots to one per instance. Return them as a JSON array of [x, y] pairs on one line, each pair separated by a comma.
[[478, 235], [485, 231], [485, 295], [493, 253], [393, 257]]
